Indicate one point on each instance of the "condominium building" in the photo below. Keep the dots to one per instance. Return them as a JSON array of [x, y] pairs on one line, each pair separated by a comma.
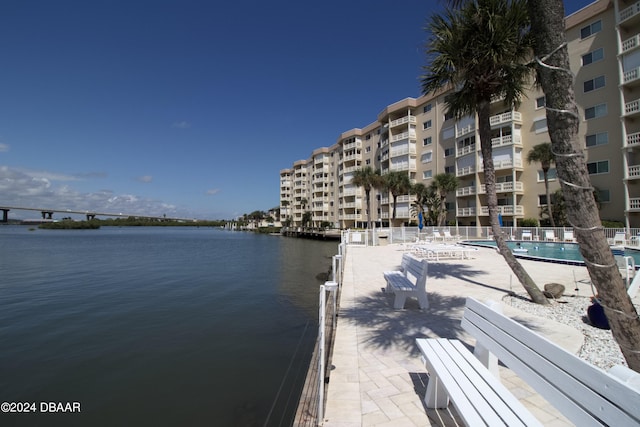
[[418, 136]]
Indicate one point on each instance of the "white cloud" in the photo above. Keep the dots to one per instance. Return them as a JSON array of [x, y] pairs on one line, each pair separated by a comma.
[[145, 178], [213, 191], [181, 125], [4, 147]]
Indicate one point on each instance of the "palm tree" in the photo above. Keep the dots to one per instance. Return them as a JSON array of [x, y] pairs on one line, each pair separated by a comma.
[[396, 183], [542, 153], [427, 203], [563, 120], [443, 184], [480, 52], [367, 178]]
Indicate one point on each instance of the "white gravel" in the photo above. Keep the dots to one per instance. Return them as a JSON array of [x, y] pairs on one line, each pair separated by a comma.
[[599, 349]]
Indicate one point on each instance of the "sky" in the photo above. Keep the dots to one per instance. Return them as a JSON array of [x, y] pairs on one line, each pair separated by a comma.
[[190, 108]]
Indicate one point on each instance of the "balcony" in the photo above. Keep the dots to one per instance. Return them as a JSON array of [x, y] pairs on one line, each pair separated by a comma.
[[504, 210], [630, 44], [511, 116], [351, 217], [404, 135], [633, 139], [465, 130], [352, 192], [466, 191], [402, 167], [466, 212], [506, 140], [631, 77], [632, 108], [352, 145], [403, 120], [403, 151], [505, 187], [634, 204], [466, 150], [466, 171], [629, 14], [633, 172], [357, 156]]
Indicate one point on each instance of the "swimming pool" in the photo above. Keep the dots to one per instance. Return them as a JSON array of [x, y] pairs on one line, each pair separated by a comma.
[[556, 252]]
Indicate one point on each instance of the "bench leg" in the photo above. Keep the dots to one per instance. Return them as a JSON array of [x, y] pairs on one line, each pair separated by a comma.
[[435, 397], [399, 300], [423, 300]]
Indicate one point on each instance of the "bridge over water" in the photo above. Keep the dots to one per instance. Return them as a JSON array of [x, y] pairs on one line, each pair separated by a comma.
[[47, 214]]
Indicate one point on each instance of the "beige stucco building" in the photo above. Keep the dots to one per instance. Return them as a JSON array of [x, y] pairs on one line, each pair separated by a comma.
[[417, 136]]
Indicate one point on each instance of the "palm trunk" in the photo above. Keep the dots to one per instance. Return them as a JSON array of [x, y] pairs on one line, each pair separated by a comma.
[[582, 211], [367, 193], [484, 129], [546, 188], [395, 197]]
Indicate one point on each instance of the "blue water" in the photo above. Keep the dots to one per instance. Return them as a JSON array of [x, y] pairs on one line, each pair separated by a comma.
[[157, 326], [550, 251]]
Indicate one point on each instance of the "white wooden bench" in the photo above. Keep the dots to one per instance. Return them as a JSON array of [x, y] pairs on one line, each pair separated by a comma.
[[411, 281], [585, 394]]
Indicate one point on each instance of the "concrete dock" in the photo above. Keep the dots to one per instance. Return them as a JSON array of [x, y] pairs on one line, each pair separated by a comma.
[[377, 377]]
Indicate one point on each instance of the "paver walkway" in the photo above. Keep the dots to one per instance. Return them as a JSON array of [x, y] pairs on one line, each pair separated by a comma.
[[377, 377]]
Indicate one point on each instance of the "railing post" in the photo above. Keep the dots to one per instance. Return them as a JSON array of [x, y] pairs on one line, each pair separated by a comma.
[[321, 351]]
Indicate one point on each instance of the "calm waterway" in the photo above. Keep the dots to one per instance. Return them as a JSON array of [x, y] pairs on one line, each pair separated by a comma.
[[157, 326]]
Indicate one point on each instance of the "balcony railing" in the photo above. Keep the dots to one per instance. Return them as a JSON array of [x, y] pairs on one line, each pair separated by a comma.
[[631, 75], [357, 156], [466, 150], [631, 43], [506, 140], [466, 191], [466, 212], [504, 210], [633, 139], [403, 135], [629, 12], [632, 107], [466, 171], [465, 130], [506, 118], [402, 151], [403, 120], [634, 203], [505, 187], [634, 171]]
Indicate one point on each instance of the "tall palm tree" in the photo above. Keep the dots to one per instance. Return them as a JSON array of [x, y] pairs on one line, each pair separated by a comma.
[[480, 51], [563, 120], [542, 153], [443, 184], [397, 183], [367, 178]]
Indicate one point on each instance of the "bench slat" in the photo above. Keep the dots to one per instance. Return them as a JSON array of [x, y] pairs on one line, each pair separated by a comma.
[[408, 282], [561, 378]]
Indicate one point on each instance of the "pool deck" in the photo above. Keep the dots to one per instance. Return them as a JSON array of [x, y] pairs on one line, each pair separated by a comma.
[[377, 378]]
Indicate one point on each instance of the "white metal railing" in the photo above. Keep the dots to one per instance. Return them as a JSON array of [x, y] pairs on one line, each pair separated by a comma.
[[394, 152], [465, 130], [630, 43], [357, 156], [466, 211], [503, 187], [466, 191], [505, 118], [634, 171], [504, 210], [466, 170], [404, 135], [466, 150], [634, 203], [352, 145], [633, 138]]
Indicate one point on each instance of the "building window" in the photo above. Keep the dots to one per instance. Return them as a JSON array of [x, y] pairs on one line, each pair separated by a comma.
[[368, 162], [590, 30], [368, 137], [426, 125], [542, 199], [449, 152], [426, 157], [604, 196], [427, 174], [593, 56], [595, 111], [597, 139], [426, 108], [598, 167], [367, 149], [426, 141], [540, 125], [449, 169], [541, 102], [551, 175], [448, 116], [594, 84]]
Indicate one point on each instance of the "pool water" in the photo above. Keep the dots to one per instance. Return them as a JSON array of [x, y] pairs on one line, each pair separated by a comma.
[[558, 252]]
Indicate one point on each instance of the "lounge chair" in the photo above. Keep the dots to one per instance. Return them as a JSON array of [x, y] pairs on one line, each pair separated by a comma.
[[627, 267], [620, 238], [448, 236], [526, 235], [549, 235], [568, 236], [437, 236]]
